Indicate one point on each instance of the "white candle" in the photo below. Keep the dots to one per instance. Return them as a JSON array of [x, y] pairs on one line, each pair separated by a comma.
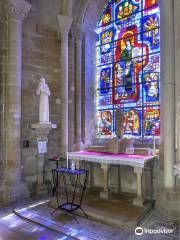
[[154, 146], [67, 160]]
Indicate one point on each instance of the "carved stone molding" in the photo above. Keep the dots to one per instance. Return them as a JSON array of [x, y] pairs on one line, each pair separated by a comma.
[[16, 9], [64, 23]]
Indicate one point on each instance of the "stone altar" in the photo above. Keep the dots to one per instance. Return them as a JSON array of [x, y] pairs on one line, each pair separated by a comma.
[[138, 162]]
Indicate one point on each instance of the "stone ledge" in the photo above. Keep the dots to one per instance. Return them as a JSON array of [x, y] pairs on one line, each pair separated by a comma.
[[43, 125]]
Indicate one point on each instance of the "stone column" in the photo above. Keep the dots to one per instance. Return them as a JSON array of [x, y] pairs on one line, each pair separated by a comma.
[[78, 88], [168, 90], [3, 57], [89, 78], [105, 193], [64, 23], [138, 201], [72, 70], [3, 73], [15, 12], [168, 199]]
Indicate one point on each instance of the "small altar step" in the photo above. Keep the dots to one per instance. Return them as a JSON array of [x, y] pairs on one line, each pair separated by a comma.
[[97, 149], [117, 211]]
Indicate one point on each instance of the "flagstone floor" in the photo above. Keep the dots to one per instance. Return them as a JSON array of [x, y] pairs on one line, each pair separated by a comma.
[[34, 220]]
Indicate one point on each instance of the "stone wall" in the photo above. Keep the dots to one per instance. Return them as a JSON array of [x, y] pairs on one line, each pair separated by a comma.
[[177, 80], [41, 58]]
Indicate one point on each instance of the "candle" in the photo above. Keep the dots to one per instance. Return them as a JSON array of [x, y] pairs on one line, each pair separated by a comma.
[[154, 146], [67, 160], [73, 165]]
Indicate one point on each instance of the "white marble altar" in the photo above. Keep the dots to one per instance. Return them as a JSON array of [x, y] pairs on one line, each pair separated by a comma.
[[138, 162]]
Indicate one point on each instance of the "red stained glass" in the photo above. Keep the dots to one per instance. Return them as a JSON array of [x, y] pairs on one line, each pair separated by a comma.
[[151, 3]]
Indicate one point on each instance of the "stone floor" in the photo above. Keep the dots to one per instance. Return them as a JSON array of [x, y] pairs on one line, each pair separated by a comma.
[[118, 210], [34, 220]]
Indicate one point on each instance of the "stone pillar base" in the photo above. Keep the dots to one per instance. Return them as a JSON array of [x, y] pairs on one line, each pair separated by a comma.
[[105, 194], [138, 201], [168, 203]]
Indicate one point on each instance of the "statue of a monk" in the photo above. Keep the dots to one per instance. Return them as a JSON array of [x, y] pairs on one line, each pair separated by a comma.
[[44, 93]]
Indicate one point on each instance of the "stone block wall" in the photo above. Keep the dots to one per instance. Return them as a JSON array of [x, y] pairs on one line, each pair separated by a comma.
[[177, 81], [41, 58]]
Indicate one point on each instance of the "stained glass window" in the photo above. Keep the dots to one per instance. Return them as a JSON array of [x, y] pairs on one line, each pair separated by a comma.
[[128, 67]]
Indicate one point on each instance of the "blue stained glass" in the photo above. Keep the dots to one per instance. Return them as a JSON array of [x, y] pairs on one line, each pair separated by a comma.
[[106, 41], [128, 67], [105, 79], [152, 121], [105, 100], [125, 11], [151, 30]]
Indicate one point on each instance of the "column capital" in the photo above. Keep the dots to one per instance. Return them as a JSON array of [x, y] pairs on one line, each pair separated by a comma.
[[64, 24], [16, 9]]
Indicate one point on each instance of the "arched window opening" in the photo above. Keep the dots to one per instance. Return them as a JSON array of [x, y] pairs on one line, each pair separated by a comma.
[[128, 68]]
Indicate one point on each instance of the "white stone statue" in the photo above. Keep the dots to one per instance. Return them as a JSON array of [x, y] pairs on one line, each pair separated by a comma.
[[44, 92]]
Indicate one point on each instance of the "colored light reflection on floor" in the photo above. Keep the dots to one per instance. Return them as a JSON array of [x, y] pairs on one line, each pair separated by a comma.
[[44, 237], [7, 217], [32, 206], [62, 238], [47, 222], [64, 227]]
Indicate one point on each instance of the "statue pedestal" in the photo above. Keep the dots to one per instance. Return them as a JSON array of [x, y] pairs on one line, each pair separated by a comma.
[[42, 131], [43, 126]]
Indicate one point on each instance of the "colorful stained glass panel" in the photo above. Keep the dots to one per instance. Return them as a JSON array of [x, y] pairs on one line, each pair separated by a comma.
[[105, 123], [128, 67], [152, 122]]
